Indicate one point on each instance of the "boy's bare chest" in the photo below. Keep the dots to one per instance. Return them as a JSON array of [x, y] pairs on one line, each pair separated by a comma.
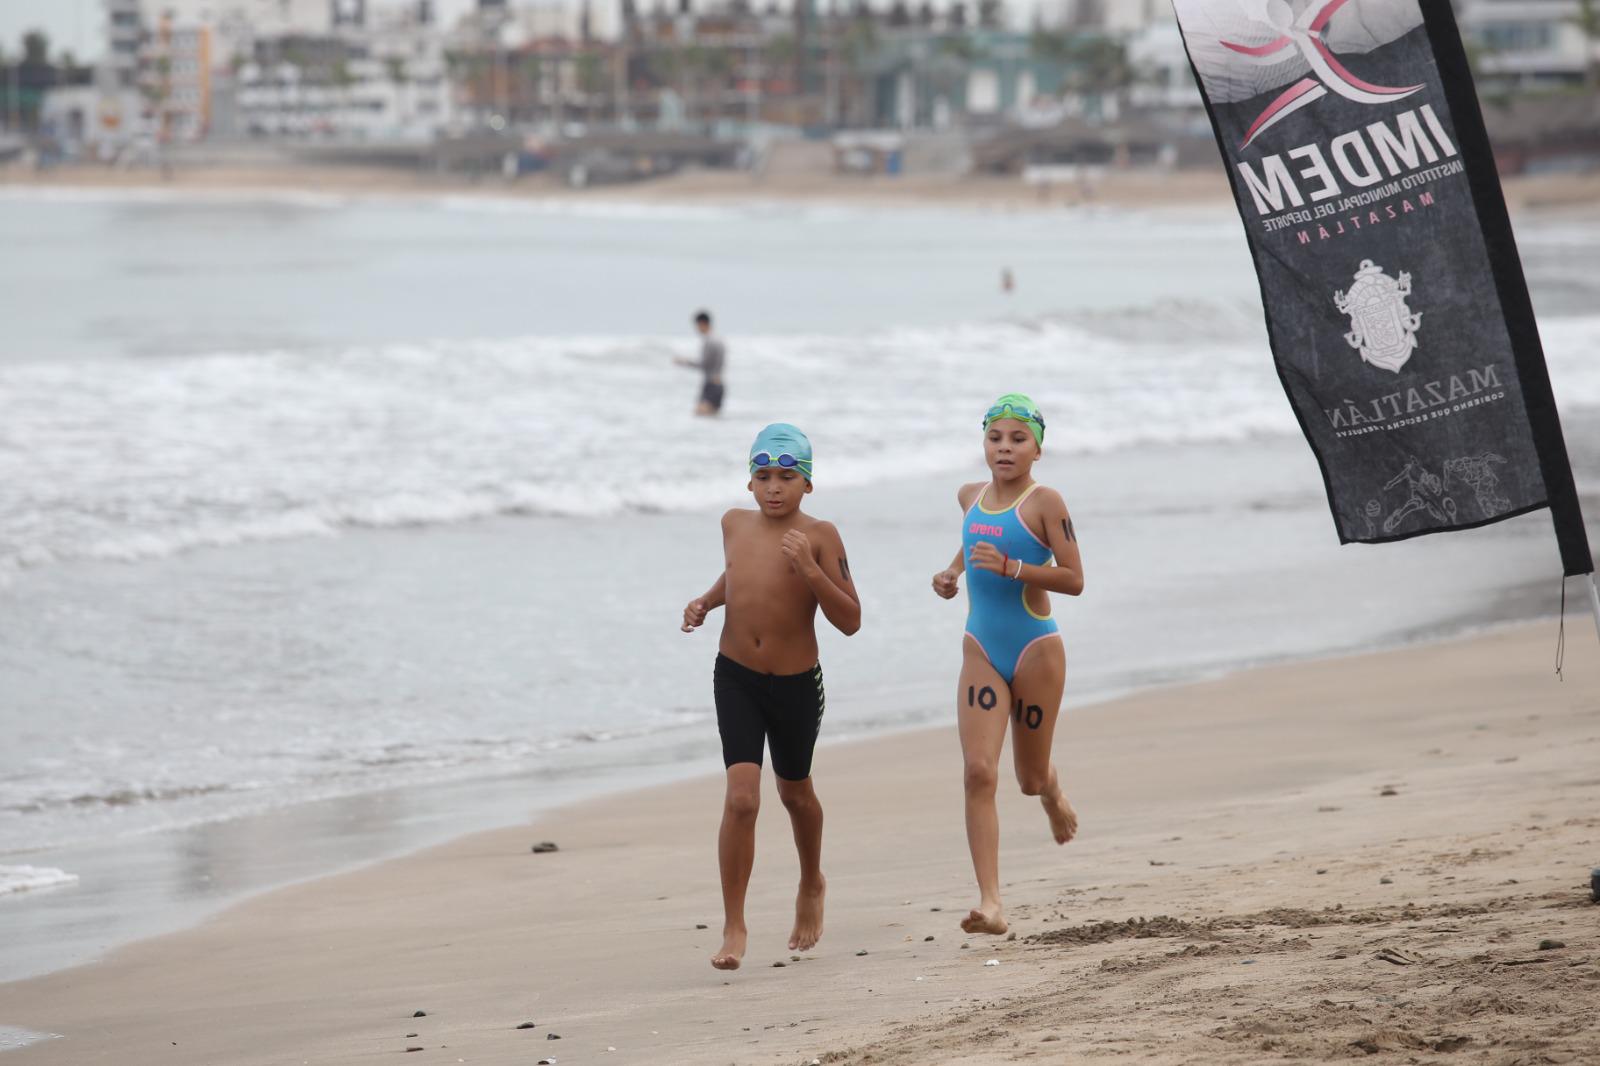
[[758, 560]]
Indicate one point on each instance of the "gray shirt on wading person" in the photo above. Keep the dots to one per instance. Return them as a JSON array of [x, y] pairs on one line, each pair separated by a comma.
[[713, 357]]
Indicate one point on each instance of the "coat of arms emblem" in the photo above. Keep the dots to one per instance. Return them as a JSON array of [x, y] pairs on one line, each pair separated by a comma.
[[1382, 327]]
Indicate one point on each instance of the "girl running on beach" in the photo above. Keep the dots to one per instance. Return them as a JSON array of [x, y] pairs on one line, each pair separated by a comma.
[[1013, 664]]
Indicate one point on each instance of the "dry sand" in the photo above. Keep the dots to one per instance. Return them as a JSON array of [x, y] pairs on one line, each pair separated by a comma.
[[1206, 186], [1346, 859]]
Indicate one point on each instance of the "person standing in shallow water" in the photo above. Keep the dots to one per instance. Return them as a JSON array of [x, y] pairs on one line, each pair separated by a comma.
[[713, 356], [1013, 664]]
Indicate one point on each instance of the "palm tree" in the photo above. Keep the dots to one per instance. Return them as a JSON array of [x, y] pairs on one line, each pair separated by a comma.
[[1095, 65], [1588, 20], [36, 48], [593, 81]]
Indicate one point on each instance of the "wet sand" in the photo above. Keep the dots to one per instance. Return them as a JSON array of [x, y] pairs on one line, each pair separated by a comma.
[[1352, 857]]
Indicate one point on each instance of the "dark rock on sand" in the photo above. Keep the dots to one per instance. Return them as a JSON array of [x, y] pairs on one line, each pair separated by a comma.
[[544, 846], [552, 1036], [420, 1014], [411, 1036], [1551, 945], [527, 1025], [926, 939], [411, 1049], [863, 951], [700, 925]]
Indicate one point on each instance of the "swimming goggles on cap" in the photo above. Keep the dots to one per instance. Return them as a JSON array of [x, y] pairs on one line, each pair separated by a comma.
[[1011, 410], [784, 459]]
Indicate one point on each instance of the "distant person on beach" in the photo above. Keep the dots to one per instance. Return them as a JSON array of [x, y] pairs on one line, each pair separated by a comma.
[[713, 355], [1013, 664], [779, 566]]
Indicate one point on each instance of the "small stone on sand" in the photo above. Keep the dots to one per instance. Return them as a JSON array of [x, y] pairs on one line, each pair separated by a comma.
[[779, 964], [1385, 880], [700, 925], [1551, 945], [411, 1036], [526, 1025], [936, 909], [964, 947], [1322, 870], [420, 1014], [863, 951], [926, 939], [544, 846], [409, 1050], [1389, 790], [552, 1036], [992, 962]]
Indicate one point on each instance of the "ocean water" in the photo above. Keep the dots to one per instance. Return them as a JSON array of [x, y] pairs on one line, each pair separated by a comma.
[[306, 499]]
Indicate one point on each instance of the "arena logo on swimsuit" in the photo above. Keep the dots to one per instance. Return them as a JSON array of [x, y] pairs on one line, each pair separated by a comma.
[[983, 530]]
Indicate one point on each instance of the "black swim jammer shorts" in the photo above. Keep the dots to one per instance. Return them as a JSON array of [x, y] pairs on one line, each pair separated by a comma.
[[785, 710], [711, 395]]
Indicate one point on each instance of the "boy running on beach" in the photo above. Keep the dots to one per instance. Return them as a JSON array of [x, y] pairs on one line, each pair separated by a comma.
[[779, 566]]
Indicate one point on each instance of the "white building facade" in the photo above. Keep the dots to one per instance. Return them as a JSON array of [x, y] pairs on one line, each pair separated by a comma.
[[1528, 44], [386, 82]]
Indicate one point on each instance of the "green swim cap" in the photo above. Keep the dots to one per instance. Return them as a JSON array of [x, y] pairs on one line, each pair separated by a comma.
[[1019, 406], [778, 442]]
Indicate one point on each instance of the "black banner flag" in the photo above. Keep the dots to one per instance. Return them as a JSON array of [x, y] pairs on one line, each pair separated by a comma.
[[1395, 303]]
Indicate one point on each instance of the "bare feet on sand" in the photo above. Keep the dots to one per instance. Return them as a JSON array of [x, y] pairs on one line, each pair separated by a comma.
[[732, 951], [808, 916], [987, 918], [1063, 819]]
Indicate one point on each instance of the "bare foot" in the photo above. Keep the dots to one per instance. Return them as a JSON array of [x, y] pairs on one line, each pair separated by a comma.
[[808, 916], [731, 953], [1063, 819], [987, 918]]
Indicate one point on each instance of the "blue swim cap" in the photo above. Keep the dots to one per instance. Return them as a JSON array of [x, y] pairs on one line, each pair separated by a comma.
[[778, 440]]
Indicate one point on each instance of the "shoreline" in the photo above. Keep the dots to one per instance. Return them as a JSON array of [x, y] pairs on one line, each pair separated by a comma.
[[134, 886], [1135, 189], [1236, 805]]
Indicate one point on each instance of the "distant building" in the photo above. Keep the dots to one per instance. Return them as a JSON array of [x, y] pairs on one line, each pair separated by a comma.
[[175, 80], [347, 13], [385, 82], [1527, 44], [236, 25], [124, 36], [1112, 16], [1163, 80]]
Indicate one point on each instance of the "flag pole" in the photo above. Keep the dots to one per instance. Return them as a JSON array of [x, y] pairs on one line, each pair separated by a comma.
[[1594, 601]]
